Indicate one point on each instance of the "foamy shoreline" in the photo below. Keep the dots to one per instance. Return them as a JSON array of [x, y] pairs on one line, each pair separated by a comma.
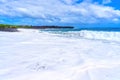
[[33, 55]]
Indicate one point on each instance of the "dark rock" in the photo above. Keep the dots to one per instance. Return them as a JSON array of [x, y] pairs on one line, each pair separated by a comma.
[[9, 29]]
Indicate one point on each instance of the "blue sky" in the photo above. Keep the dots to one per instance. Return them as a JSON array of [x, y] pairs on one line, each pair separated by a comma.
[[80, 13]]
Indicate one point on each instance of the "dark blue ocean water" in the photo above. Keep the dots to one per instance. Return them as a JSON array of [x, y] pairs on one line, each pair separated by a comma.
[[102, 29]]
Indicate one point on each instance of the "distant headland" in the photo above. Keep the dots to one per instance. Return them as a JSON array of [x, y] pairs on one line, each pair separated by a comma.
[[14, 28]]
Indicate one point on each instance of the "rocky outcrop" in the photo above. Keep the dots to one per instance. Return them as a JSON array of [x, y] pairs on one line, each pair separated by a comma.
[[9, 29]]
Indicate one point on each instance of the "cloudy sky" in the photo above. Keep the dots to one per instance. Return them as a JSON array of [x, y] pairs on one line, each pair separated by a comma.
[[61, 12]]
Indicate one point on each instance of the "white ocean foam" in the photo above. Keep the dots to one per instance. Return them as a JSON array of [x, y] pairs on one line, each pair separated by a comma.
[[96, 35], [113, 36], [30, 55], [28, 30]]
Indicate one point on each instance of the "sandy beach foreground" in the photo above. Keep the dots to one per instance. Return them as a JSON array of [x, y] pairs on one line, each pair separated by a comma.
[[34, 55]]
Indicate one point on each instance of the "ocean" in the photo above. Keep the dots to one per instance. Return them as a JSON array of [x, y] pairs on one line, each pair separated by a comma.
[[107, 34], [60, 54]]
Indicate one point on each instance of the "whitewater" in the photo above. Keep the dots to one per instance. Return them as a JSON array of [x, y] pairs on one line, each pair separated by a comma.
[[54, 55]]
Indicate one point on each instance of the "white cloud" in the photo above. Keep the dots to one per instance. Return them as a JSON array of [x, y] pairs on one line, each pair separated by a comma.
[[57, 11], [106, 1]]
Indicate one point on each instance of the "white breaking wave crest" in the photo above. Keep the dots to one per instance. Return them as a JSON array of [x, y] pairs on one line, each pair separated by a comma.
[[97, 35], [112, 36]]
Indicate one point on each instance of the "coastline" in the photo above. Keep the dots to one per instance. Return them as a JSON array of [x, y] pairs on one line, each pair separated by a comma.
[[15, 28]]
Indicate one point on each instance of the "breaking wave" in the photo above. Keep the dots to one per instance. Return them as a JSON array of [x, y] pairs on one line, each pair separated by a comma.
[[112, 36], [89, 34]]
